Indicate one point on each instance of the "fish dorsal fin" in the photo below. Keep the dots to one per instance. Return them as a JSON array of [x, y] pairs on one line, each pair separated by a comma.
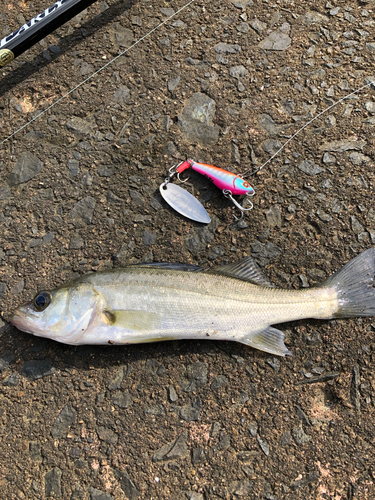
[[172, 266], [246, 270]]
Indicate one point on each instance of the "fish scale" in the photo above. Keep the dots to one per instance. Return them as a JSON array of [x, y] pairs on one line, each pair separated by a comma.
[[148, 303]]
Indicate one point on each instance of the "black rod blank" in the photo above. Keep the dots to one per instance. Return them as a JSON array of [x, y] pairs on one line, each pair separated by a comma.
[[39, 27]]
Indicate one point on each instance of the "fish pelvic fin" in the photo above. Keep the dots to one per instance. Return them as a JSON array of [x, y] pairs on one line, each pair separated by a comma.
[[355, 285], [269, 340]]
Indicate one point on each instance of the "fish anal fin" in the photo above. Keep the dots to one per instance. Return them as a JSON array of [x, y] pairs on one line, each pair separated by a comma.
[[246, 270], [269, 340], [132, 320]]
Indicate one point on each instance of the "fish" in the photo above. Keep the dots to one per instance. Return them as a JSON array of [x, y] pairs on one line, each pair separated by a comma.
[[162, 301]]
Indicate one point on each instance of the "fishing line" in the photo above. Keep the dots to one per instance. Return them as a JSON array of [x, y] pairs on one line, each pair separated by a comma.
[[306, 125], [98, 71], [243, 175]]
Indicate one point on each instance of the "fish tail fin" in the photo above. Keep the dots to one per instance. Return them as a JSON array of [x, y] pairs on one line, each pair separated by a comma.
[[355, 285]]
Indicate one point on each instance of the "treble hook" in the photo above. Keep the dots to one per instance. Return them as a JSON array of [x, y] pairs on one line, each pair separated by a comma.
[[228, 194], [173, 171]]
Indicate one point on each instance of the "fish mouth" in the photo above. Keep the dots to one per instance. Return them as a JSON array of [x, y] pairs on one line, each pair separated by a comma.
[[15, 317], [20, 322], [17, 321]]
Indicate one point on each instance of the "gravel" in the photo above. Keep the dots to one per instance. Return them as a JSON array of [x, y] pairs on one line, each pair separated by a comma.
[[64, 420], [226, 85], [27, 167]]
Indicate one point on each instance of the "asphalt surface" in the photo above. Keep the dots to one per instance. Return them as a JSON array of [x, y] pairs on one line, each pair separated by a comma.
[[225, 83]]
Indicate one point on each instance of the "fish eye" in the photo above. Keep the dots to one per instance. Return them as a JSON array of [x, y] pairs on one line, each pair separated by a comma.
[[42, 300]]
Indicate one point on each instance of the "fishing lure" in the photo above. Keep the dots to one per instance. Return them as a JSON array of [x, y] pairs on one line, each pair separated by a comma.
[[183, 202]]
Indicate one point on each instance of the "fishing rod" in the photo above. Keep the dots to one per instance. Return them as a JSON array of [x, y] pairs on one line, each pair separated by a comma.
[[55, 16], [39, 27], [189, 2]]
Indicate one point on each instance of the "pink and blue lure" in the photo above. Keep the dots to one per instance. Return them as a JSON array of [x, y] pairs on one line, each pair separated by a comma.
[[229, 183]]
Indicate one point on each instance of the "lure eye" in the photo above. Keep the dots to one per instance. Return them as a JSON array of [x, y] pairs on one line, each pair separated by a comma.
[[42, 300], [246, 184]]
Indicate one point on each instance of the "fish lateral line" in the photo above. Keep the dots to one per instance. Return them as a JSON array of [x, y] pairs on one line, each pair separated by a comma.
[[86, 312]]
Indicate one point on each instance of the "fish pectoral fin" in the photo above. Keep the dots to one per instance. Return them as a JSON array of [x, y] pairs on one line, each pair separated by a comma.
[[269, 340], [132, 320]]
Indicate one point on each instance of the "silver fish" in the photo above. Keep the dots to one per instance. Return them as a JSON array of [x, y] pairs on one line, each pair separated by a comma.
[[147, 303]]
